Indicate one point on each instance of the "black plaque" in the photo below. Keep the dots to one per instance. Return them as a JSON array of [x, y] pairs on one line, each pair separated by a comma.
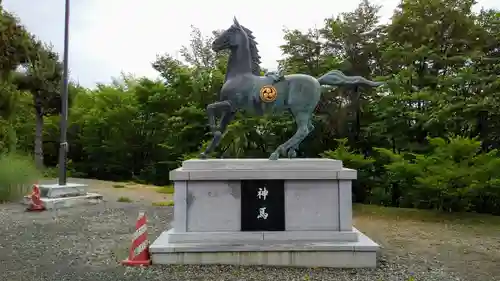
[[262, 205]]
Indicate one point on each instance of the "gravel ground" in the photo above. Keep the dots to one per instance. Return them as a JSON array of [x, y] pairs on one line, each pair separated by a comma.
[[87, 243]]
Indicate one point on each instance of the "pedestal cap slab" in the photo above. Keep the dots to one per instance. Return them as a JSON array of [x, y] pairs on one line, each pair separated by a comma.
[[252, 169], [302, 164]]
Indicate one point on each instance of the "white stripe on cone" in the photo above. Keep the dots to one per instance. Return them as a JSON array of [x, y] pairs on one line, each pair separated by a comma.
[[140, 248], [141, 230], [141, 214]]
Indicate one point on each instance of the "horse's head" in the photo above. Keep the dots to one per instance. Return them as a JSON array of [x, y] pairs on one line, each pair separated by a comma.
[[230, 38]]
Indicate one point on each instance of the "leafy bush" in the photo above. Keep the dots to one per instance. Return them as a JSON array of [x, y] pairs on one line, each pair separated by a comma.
[[17, 174], [364, 166], [453, 176]]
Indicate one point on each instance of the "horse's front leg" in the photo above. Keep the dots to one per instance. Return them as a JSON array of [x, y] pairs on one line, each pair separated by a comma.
[[225, 120], [228, 113]]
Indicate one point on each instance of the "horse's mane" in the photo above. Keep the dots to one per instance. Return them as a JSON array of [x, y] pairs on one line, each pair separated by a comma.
[[254, 51]]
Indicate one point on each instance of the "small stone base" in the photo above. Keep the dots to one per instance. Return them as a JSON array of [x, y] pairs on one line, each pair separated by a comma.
[[340, 254], [60, 191], [67, 202]]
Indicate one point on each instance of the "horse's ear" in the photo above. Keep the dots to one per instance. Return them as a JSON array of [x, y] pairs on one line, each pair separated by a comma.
[[236, 23]]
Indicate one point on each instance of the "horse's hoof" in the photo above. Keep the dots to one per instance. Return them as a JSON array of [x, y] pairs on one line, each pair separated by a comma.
[[292, 153], [274, 156], [203, 155]]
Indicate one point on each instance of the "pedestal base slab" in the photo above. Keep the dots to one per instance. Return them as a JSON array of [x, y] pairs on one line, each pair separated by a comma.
[[341, 254]]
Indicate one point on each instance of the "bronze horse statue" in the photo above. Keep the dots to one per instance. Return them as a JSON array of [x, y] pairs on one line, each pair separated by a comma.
[[244, 88]]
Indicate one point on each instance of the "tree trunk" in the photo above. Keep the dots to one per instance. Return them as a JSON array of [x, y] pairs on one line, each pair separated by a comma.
[[38, 135]]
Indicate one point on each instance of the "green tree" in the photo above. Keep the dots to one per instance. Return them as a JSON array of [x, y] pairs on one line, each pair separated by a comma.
[[15, 48], [42, 77], [428, 139]]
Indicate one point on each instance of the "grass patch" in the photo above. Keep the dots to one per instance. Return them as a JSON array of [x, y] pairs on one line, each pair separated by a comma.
[[17, 175], [169, 189], [118, 186], [124, 199], [425, 215], [163, 203]]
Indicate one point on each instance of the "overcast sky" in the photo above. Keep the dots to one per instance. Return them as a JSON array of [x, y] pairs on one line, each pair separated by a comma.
[[111, 36]]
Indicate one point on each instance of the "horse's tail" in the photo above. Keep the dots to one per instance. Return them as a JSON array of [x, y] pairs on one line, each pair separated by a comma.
[[336, 78]]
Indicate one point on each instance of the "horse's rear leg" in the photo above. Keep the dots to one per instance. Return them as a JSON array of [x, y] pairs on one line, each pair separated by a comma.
[[302, 120], [292, 151]]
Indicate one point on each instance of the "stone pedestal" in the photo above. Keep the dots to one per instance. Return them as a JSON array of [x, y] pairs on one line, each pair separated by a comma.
[[59, 191], [55, 196], [290, 212]]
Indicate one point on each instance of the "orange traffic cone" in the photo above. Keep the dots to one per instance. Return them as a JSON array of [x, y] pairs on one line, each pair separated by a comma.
[[139, 252], [36, 204]]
